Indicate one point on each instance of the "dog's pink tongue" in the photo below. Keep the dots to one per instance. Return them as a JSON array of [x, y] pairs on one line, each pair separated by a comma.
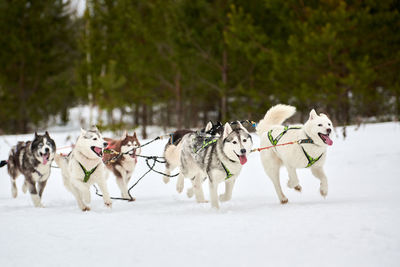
[[243, 159], [328, 141], [45, 159], [98, 150]]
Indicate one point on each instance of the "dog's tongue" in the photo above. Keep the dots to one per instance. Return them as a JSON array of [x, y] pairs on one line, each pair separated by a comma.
[[97, 150], [328, 141], [45, 159], [243, 159]]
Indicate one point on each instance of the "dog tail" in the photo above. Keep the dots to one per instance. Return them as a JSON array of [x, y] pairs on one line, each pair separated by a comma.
[[275, 116], [3, 163]]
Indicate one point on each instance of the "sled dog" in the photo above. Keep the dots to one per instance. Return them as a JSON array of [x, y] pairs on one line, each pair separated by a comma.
[[122, 165], [309, 152], [218, 158], [172, 150], [32, 159], [84, 167]]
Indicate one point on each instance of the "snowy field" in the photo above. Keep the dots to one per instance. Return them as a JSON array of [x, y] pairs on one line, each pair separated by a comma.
[[358, 224]]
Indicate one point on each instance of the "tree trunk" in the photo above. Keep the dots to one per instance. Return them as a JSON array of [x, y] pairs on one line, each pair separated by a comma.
[[223, 115], [178, 104], [144, 121]]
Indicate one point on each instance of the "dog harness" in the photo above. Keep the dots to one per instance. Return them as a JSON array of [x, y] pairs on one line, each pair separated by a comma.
[[228, 173], [206, 143], [87, 173], [274, 141]]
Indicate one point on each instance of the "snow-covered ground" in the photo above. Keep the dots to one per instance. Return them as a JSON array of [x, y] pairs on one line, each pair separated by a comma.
[[357, 225]]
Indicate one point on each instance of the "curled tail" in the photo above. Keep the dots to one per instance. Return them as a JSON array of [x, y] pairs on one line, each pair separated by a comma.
[[275, 116], [3, 163]]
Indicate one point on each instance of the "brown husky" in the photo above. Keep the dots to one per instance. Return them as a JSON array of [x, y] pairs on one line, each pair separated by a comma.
[[122, 164]]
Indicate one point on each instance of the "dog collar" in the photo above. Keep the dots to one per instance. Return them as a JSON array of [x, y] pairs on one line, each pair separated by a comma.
[[87, 173]]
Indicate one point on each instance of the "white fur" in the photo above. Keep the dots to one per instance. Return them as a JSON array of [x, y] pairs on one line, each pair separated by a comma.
[[173, 154], [292, 156], [73, 175]]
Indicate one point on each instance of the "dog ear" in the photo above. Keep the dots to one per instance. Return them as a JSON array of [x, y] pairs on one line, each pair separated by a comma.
[[134, 135], [94, 128], [242, 127], [83, 132], [227, 130], [209, 126], [47, 134], [36, 135], [313, 114], [124, 135]]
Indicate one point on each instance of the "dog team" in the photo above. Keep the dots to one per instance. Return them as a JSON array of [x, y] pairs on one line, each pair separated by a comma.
[[215, 153]]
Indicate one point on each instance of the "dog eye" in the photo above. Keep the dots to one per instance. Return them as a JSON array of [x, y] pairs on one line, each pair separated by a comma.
[[329, 124], [95, 139], [320, 125], [234, 142], [244, 140]]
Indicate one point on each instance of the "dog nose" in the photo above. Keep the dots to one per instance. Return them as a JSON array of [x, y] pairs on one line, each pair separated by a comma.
[[329, 130], [47, 150], [105, 144], [243, 151]]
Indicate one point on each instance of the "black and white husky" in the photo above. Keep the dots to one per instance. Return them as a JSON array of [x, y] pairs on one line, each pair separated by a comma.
[[309, 151], [172, 150], [220, 159], [84, 167], [32, 159]]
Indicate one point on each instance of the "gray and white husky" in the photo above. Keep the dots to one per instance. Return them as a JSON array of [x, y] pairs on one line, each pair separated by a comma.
[[32, 159], [172, 150], [309, 151], [220, 159], [84, 167]]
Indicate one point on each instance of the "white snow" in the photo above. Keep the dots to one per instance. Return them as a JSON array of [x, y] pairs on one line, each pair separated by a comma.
[[357, 225]]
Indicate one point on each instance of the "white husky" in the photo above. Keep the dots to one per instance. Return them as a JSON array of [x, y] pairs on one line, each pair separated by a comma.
[[309, 151], [84, 167]]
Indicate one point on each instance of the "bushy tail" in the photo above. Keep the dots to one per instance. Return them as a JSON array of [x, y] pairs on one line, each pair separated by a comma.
[[3, 163], [275, 116]]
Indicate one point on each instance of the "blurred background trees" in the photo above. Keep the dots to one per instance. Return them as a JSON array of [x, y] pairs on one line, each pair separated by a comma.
[[180, 63]]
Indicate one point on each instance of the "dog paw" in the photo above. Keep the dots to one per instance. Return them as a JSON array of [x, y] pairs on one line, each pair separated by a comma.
[[298, 188], [323, 192], [223, 198], [132, 199], [190, 192], [86, 208], [179, 187], [201, 201], [166, 179], [284, 200], [108, 204]]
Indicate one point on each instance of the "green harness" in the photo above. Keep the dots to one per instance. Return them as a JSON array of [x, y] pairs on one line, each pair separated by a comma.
[[87, 173], [228, 173], [274, 141], [205, 144]]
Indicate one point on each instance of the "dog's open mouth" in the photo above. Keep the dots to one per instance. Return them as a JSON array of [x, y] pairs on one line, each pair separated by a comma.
[[242, 158], [45, 157], [132, 153], [326, 139], [97, 150]]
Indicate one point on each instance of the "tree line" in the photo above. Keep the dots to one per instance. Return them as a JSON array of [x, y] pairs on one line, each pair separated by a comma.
[[181, 63]]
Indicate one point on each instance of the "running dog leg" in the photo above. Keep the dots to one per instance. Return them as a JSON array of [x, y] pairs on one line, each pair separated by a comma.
[[271, 166], [33, 191], [213, 194], [319, 173], [78, 196], [122, 186], [41, 186], [106, 196], [293, 180], [198, 189], [180, 182], [228, 189], [14, 190]]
